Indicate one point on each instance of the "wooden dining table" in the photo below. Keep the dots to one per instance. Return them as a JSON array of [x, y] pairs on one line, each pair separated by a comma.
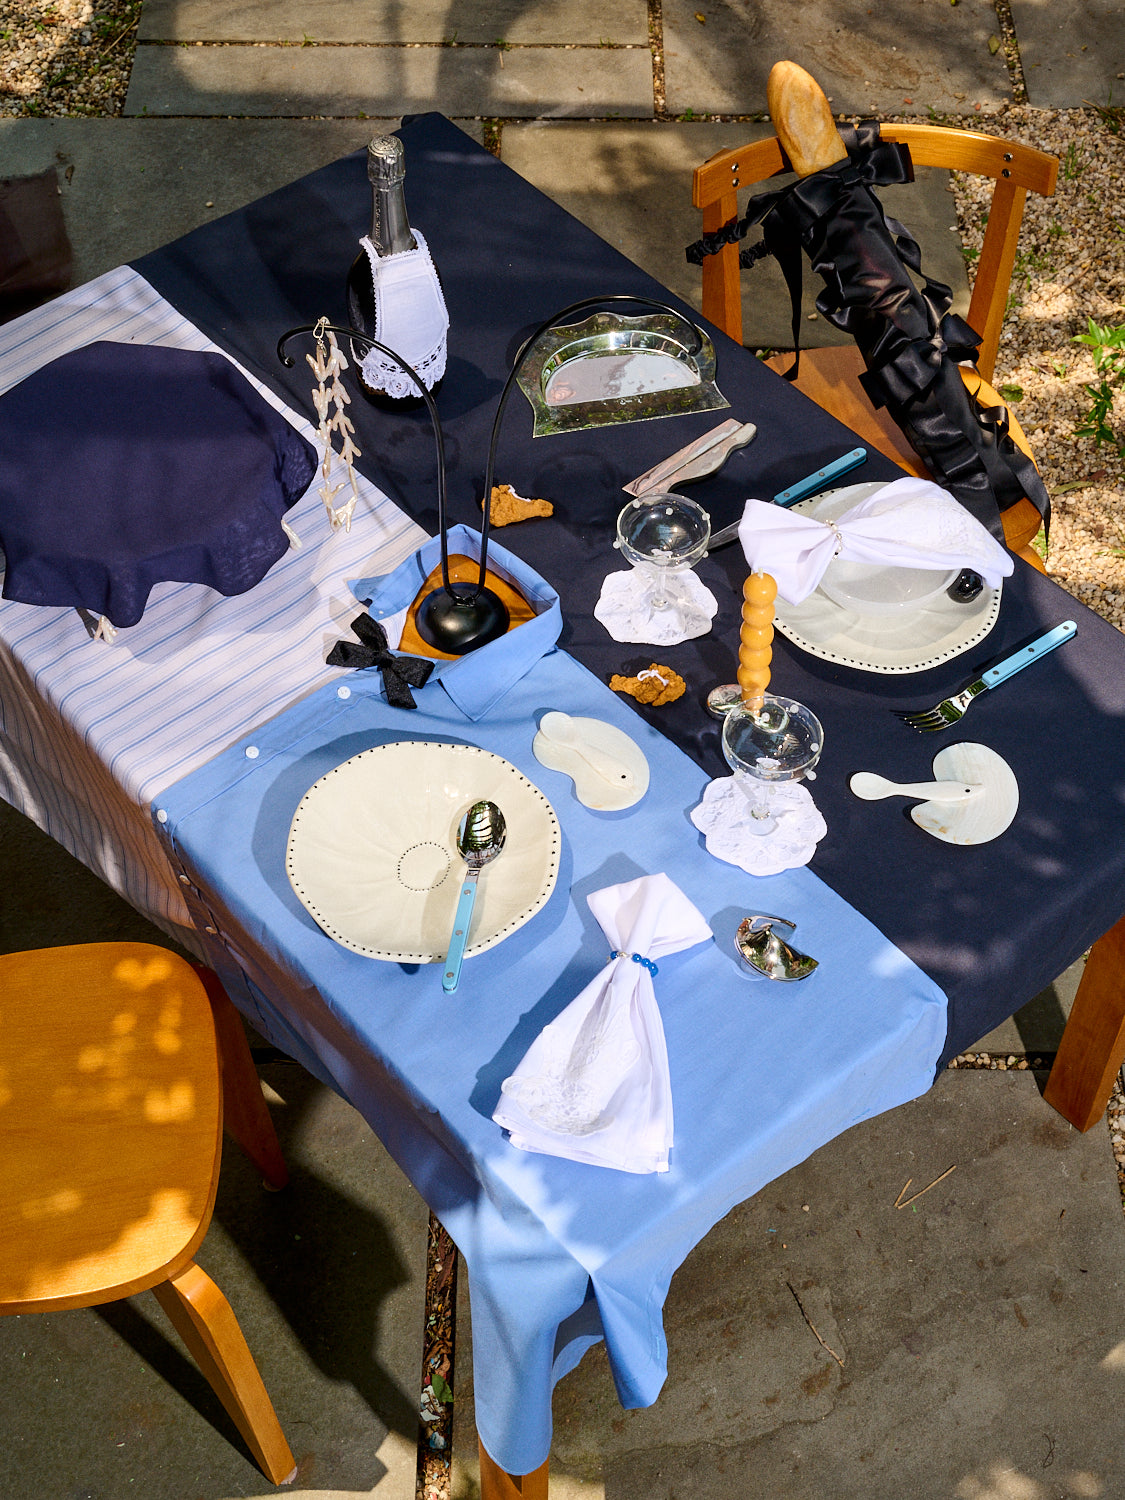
[[173, 760]]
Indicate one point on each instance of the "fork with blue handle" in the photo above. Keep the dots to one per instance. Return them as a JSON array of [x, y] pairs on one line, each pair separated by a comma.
[[950, 710]]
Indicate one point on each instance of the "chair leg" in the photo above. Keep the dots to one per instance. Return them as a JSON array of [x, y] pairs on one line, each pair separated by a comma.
[[203, 1318], [1093, 1043], [245, 1115], [497, 1484]]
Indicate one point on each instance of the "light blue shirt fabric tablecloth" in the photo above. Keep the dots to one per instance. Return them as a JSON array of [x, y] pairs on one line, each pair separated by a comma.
[[558, 1253]]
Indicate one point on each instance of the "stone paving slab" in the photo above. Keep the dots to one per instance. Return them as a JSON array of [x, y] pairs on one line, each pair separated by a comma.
[[1072, 54], [1037, 1028], [378, 81], [130, 186], [631, 183], [980, 1328], [904, 59], [388, 21]]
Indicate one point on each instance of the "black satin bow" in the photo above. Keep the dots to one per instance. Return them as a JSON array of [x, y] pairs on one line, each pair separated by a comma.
[[400, 673], [912, 343]]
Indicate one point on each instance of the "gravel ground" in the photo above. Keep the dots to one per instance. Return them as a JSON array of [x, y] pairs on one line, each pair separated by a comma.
[[73, 57], [1070, 267], [66, 57]]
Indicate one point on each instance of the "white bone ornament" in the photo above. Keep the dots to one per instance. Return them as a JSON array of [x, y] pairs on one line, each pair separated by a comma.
[[331, 361], [980, 818], [609, 770]]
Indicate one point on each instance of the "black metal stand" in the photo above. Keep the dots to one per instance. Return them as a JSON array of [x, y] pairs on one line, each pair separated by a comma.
[[449, 620]]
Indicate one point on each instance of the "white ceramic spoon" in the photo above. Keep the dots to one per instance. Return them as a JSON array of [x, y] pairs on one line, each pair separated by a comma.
[[609, 770], [870, 787]]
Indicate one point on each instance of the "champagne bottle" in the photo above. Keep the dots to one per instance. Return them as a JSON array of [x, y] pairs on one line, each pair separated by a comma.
[[391, 235]]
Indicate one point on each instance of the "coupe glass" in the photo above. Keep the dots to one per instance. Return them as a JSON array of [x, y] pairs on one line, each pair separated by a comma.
[[663, 535], [779, 742]]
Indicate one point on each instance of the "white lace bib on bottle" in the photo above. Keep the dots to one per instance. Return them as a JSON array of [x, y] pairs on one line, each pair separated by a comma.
[[410, 318]]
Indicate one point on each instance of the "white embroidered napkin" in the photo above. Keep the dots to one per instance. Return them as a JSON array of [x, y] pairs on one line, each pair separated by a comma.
[[594, 1085], [910, 523], [410, 318]]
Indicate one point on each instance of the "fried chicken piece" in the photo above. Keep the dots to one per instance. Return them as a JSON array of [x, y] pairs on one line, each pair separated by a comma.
[[508, 507], [655, 685]]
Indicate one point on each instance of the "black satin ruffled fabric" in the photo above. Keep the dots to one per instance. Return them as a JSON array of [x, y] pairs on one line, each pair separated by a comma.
[[912, 344]]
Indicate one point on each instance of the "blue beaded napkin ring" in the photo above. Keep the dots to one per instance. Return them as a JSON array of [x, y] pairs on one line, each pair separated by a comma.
[[638, 958]]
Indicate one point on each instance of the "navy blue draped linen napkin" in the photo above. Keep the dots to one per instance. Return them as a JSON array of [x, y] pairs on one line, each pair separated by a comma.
[[123, 466]]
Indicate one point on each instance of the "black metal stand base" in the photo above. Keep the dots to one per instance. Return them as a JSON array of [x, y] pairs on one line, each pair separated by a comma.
[[459, 624]]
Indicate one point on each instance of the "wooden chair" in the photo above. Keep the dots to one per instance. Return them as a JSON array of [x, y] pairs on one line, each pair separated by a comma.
[[111, 1118], [830, 376]]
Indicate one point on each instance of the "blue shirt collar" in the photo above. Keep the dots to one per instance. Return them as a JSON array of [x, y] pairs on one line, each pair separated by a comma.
[[478, 681]]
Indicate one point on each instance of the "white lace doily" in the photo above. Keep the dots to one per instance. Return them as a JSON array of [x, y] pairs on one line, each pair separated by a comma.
[[625, 608], [410, 318], [732, 835]]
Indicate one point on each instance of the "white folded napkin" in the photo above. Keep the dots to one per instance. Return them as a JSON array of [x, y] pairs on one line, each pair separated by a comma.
[[410, 318], [909, 524], [594, 1085]]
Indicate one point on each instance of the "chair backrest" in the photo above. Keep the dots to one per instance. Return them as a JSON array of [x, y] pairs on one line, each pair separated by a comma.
[[1016, 170]]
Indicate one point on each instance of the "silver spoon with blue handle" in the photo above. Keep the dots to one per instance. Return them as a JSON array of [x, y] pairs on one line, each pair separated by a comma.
[[480, 838]]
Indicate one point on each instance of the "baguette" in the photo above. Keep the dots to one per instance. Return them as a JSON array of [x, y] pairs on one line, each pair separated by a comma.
[[802, 117]]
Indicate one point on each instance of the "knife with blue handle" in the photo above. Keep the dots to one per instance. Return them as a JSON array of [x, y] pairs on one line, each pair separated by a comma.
[[812, 484]]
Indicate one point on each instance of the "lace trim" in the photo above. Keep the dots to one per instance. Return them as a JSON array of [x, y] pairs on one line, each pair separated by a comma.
[[383, 374], [575, 1094]]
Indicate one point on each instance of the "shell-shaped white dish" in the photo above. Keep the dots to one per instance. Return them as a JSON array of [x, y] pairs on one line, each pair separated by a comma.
[[978, 819], [609, 770], [372, 852]]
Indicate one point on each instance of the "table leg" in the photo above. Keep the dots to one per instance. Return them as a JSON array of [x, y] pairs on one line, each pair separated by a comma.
[[498, 1484], [245, 1115], [1093, 1043]]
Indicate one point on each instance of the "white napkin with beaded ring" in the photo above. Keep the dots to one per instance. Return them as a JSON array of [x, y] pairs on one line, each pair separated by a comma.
[[594, 1086]]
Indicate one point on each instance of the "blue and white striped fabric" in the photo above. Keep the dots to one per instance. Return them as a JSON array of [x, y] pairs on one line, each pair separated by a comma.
[[89, 732]]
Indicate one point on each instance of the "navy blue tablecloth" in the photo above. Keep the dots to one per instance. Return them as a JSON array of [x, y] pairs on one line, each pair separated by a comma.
[[991, 925]]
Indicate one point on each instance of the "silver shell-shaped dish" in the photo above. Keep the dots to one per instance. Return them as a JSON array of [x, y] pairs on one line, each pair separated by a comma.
[[612, 369]]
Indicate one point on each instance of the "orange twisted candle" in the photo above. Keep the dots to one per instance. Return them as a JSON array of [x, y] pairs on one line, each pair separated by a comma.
[[754, 649]]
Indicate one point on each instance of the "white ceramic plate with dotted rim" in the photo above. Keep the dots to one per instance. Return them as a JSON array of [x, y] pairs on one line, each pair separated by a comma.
[[372, 852], [912, 641]]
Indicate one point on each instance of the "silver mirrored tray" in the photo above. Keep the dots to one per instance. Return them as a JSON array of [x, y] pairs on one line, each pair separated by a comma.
[[613, 369]]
